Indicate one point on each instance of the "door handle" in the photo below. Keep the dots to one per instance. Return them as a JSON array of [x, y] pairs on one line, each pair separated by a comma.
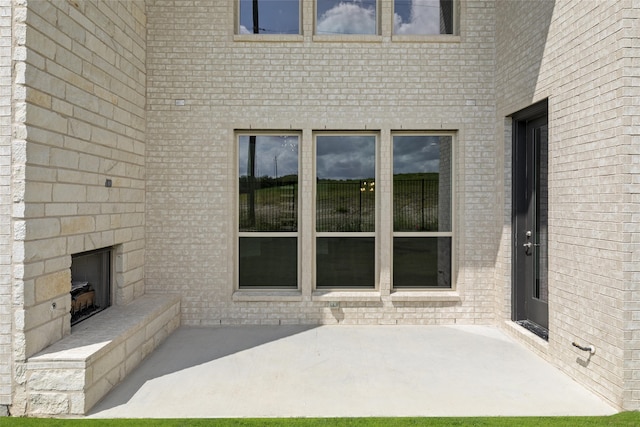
[[528, 245]]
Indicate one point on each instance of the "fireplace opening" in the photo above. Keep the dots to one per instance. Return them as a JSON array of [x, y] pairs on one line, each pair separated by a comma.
[[90, 283]]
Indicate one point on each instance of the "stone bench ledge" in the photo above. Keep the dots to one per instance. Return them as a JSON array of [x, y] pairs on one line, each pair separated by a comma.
[[72, 374]]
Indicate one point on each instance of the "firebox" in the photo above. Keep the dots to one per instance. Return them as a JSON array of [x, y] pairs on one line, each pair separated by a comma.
[[90, 283]]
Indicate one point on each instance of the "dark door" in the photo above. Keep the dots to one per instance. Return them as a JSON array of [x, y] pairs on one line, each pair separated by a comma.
[[530, 220]]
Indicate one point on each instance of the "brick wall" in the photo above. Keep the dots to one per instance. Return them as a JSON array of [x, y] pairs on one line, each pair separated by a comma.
[[5, 202], [307, 83], [629, 154], [79, 102], [579, 54]]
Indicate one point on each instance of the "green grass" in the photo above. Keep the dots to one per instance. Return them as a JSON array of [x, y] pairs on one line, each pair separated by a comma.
[[622, 419]]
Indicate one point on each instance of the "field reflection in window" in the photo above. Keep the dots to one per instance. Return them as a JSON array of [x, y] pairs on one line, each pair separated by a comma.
[[268, 203], [422, 181]]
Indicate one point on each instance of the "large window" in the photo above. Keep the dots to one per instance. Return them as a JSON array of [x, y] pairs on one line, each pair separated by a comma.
[[346, 17], [340, 208], [269, 17], [268, 210], [422, 211], [345, 211], [423, 16]]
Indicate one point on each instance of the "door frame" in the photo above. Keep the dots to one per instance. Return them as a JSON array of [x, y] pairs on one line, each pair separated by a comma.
[[519, 309]]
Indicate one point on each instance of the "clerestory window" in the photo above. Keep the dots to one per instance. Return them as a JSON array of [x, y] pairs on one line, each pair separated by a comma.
[[425, 17], [269, 17], [346, 17]]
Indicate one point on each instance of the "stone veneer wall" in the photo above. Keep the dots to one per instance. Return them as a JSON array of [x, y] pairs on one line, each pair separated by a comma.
[[79, 102], [308, 83], [5, 204], [583, 57]]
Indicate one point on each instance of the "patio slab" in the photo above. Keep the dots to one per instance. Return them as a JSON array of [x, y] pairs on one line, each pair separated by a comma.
[[345, 371]]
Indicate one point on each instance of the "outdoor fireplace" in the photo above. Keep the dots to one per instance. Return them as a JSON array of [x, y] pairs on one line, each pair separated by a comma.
[[90, 283]]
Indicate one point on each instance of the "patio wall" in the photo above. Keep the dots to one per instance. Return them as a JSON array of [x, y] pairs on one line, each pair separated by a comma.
[[584, 63], [308, 83]]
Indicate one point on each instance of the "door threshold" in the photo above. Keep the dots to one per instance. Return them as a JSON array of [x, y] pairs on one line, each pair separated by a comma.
[[535, 328]]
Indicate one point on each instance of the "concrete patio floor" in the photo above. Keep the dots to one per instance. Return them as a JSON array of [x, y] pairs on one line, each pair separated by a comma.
[[345, 371]]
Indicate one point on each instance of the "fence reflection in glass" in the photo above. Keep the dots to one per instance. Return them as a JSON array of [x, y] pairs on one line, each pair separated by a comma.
[[268, 182], [422, 182], [268, 211]]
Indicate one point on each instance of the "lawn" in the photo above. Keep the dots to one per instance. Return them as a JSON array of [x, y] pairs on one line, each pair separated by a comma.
[[622, 419]]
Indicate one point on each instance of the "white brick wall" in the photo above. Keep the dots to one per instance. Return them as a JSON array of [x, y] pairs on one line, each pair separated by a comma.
[[5, 202], [580, 55], [306, 84], [629, 152]]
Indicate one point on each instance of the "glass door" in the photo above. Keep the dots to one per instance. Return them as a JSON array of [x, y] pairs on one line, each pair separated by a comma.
[[530, 228]]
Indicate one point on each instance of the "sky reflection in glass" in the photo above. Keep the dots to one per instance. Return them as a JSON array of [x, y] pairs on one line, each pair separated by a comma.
[[276, 155], [346, 17], [344, 157]]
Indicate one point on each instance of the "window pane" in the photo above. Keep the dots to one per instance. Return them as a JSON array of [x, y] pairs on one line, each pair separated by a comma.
[[345, 262], [273, 17], [422, 183], [268, 262], [346, 17], [421, 262], [268, 174], [345, 185], [423, 17]]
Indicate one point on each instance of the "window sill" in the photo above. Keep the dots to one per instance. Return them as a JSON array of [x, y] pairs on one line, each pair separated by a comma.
[[357, 296], [351, 38], [267, 295], [434, 295], [426, 38], [268, 38]]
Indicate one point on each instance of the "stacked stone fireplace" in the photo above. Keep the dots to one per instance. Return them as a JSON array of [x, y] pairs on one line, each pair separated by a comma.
[[90, 283]]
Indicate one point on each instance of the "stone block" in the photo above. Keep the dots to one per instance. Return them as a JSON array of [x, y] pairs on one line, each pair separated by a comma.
[[69, 193], [48, 311], [42, 249], [107, 363], [77, 403], [42, 336], [62, 380], [42, 228], [52, 285], [77, 225], [48, 404]]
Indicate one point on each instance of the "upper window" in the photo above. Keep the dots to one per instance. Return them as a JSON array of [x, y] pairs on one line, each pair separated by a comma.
[[346, 17], [269, 17], [426, 17]]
